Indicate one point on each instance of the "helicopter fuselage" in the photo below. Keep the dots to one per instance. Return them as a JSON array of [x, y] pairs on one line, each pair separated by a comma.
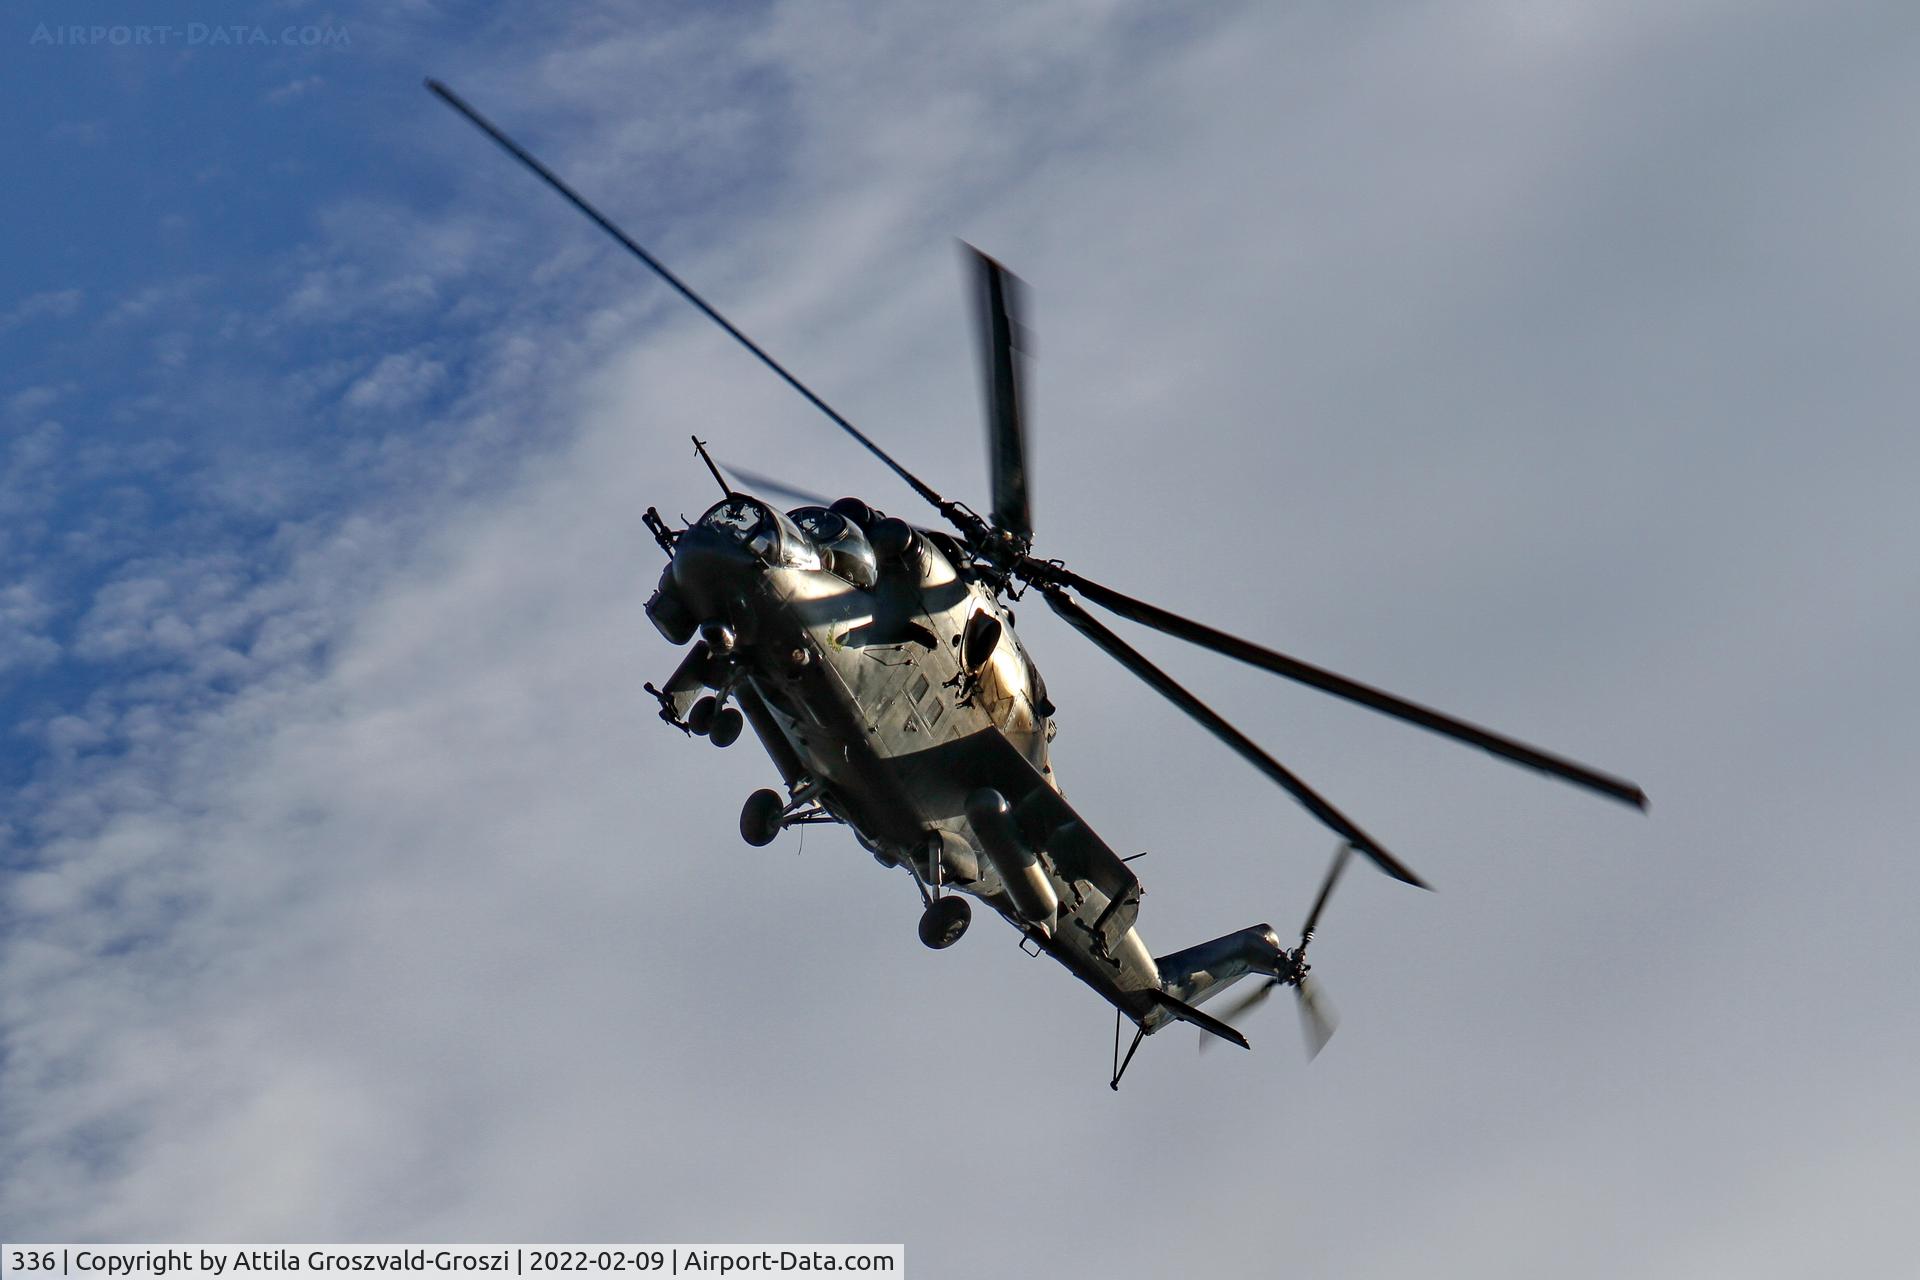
[[894, 695]]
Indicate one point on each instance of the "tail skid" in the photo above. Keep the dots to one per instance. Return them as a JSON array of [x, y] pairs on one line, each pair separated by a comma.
[[1174, 1009]]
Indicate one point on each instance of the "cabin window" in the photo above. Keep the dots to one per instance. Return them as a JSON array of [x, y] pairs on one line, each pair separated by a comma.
[[844, 549]]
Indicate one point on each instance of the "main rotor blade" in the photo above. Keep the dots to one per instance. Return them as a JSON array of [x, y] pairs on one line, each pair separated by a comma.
[[998, 297], [627, 242], [1326, 891], [1173, 624], [779, 488], [1126, 656]]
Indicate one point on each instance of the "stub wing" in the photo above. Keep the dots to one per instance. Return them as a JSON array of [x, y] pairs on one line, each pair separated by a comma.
[[944, 776], [1096, 896]]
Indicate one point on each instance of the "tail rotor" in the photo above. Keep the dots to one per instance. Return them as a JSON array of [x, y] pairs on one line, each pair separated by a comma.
[[1317, 1020]]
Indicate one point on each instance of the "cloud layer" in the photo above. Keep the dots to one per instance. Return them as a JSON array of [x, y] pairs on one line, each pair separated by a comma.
[[1539, 365]]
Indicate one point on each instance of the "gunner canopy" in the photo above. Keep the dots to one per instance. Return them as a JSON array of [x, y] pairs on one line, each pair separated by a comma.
[[769, 535]]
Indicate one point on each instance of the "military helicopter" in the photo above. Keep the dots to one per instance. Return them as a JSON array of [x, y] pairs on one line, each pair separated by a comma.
[[877, 663]]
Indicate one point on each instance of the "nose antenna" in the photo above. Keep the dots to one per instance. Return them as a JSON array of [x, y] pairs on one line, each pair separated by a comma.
[[700, 447]]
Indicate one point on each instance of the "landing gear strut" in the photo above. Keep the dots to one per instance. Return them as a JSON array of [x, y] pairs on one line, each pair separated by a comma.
[[766, 814], [947, 915]]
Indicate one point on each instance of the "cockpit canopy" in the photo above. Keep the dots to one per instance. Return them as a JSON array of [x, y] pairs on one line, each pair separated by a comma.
[[808, 538], [769, 535], [841, 544]]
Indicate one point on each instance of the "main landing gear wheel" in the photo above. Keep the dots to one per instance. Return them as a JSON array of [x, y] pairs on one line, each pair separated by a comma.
[[725, 728], [760, 819], [700, 715], [942, 923]]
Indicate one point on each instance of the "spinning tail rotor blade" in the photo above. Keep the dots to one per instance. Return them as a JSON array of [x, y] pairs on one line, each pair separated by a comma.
[[1316, 1015], [1326, 891], [998, 298], [1173, 624], [1252, 1000], [1317, 1021], [1128, 657], [653, 264]]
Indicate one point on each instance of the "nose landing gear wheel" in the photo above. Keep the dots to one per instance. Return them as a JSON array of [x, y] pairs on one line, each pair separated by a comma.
[[760, 817], [942, 923]]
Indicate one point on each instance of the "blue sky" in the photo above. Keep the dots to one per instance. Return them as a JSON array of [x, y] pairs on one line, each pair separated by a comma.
[[1544, 363], [177, 197]]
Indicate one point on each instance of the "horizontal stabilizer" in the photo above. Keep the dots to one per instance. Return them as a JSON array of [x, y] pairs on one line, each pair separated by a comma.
[[1206, 1022]]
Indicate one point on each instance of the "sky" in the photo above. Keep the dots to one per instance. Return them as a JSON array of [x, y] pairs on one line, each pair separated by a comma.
[[1547, 363]]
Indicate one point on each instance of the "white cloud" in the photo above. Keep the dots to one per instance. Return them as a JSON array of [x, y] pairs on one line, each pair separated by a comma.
[[169, 296], [293, 89], [31, 400], [52, 304], [173, 607], [24, 641], [84, 133], [396, 382]]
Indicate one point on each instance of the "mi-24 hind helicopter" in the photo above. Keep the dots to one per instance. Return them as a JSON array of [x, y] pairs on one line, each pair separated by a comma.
[[878, 665]]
